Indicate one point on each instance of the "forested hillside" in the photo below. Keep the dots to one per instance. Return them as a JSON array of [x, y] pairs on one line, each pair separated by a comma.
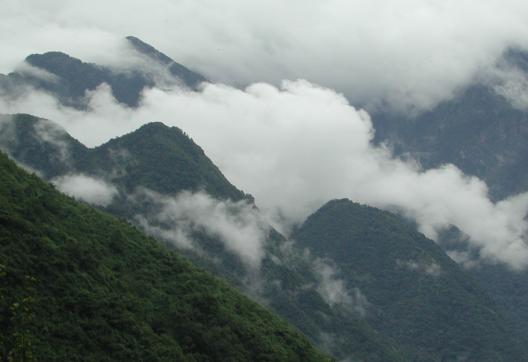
[[417, 294], [77, 284]]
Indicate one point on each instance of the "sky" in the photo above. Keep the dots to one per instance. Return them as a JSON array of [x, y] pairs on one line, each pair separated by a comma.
[[285, 120], [409, 54]]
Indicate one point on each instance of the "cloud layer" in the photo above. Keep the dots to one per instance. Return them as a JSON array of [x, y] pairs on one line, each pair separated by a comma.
[[238, 225], [298, 146], [409, 54], [86, 188]]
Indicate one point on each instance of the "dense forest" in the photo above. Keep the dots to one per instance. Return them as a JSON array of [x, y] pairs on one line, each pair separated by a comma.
[[77, 284]]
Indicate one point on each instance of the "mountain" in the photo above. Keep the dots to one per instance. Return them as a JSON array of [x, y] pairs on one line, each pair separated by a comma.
[[418, 296], [166, 162], [190, 78], [483, 132], [40, 145], [69, 78], [479, 130], [162, 158], [77, 284], [342, 301]]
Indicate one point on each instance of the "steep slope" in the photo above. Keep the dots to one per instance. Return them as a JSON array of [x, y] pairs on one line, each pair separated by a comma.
[[76, 284], [417, 295], [75, 77], [509, 290], [166, 161], [480, 129], [163, 159], [190, 78], [40, 145], [69, 78], [484, 134]]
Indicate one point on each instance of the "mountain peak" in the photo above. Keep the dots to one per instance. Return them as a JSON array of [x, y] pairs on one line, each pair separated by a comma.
[[52, 55], [147, 49], [189, 77], [408, 280]]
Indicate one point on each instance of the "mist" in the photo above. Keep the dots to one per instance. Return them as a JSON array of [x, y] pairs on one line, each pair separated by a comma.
[[408, 55], [295, 147], [238, 225], [86, 188]]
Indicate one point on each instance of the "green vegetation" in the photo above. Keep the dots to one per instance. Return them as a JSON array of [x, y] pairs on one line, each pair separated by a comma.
[[422, 306], [165, 160], [161, 158], [418, 296], [77, 284]]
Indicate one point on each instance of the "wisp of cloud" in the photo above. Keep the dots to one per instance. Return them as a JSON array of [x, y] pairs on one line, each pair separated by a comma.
[[296, 146]]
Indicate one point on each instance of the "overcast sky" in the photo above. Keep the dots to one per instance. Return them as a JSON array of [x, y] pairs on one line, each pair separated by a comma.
[[409, 53]]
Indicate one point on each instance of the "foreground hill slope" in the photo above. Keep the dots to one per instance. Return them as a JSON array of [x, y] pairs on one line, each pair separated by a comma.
[[77, 284], [417, 295]]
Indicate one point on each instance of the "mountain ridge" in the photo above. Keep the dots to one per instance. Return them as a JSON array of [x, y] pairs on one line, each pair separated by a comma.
[[141, 159], [77, 284], [72, 77], [413, 287]]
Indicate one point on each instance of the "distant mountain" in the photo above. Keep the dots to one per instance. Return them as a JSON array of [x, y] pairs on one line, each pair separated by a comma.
[[418, 296], [484, 134], [69, 78], [190, 78], [478, 130], [77, 284], [166, 161]]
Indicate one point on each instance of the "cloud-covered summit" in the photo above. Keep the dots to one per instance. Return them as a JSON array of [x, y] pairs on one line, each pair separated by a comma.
[[297, 146], [409, 54]]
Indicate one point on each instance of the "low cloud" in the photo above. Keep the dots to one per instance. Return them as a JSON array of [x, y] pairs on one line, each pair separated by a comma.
[[464, 258], [407, 54], [44, 132], [8, 136], [431, 267], [26, 69], [238, 225], [295, 147], [334, 291], [86, 188], [511, 83], [50, 133]]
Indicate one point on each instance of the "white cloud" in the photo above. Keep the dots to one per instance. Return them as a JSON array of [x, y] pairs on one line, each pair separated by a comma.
[[431, 267], [27, 69], [463, 258], [409, 53], [334, 290], [238, 225], [89, 189], [298, 146], [511, 83]]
